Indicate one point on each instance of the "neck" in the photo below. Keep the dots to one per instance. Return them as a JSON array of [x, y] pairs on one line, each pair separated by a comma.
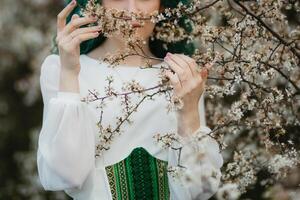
[[113, 44]]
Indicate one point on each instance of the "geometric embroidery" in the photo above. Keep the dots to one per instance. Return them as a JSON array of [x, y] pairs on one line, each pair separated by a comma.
[[140, 176]]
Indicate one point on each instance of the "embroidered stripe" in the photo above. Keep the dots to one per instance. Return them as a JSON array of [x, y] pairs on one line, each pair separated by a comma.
[[140, 176]]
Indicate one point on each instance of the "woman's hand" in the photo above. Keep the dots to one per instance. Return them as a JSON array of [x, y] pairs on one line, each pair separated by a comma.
[[188, 85], [187, 82], [69, 37]]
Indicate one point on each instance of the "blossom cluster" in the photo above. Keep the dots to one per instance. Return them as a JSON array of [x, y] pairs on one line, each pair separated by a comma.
[[253, 89]]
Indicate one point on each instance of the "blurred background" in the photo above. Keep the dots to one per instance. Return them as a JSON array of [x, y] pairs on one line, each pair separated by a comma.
[[26, 28]]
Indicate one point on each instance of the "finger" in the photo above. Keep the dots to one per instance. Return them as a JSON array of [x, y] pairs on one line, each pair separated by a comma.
[[174, 66], [78, 22], [207, 67], [62, 16], [211, 64], [204, 74], [191, 62], [68, 38], [205, 70], [176, 60], [84, 37], [80, 31], [182, 63], [174, 79], [75, 16]]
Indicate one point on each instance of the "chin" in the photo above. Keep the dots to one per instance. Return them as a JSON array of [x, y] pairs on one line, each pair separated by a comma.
[[144, 33]]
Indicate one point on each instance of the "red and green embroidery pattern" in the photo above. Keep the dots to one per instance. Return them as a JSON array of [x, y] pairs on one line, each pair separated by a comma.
[[140, 176]]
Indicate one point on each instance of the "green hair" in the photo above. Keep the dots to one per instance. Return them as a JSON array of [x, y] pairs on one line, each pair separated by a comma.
[[156, 46]]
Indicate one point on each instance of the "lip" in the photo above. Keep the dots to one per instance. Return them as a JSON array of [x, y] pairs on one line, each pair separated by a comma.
[[135, 25]]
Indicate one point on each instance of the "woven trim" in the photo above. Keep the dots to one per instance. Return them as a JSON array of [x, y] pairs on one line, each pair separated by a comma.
[[140, 176]]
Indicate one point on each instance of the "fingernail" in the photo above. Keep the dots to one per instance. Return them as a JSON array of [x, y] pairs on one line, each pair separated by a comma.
[[204, 73], [73, 2], [168, 54]]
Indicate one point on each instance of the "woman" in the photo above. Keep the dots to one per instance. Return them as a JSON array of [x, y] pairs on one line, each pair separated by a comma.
[[134, 166]]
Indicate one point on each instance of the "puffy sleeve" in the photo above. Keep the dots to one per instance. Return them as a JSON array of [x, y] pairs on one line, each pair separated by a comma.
[[200, 161], [66, 143]]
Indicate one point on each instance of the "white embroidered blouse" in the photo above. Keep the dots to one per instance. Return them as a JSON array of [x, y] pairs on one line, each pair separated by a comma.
[[67, 142]]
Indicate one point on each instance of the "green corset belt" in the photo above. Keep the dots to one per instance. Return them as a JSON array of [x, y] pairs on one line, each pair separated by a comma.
[[140, 176]]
